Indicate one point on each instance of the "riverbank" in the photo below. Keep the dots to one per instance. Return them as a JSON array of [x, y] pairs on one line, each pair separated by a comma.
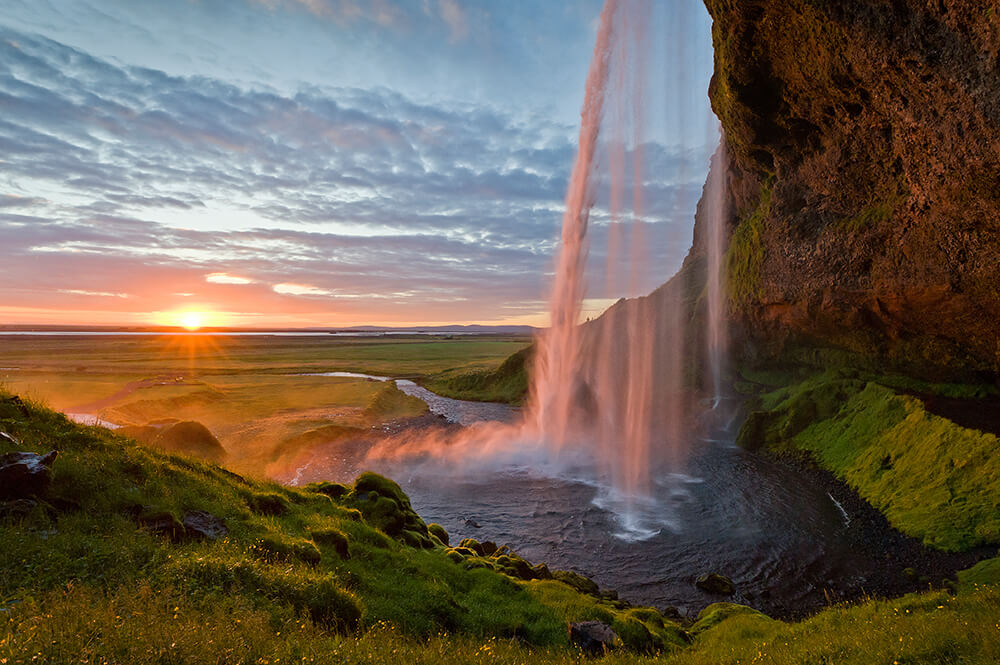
[[98, 571]]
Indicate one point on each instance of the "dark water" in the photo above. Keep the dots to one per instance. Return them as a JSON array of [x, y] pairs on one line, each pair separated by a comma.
[[779, 536], [775, 530]]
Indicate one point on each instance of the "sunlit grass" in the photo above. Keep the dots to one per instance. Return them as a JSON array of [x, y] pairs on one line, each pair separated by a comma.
[[83, 583]]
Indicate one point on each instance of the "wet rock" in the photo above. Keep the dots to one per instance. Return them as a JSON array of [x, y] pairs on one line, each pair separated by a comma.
[[203, 526], [25, 475], [715, 583], [473, 523], [594, 638], [870, 190]]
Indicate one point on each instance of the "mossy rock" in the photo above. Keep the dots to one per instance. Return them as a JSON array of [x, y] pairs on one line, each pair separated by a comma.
[[715, 583], [471, 544], [373, 482], [541, 572], [272, 548], [268, 503], [454, 555], [438, 532], [330, 489], [416, 540], [386, 507], [636, 636], [162, 522], [581, 583], [190, 438], [716, 613], [477, 562], [515, 567], [334, 539], [384, 514]]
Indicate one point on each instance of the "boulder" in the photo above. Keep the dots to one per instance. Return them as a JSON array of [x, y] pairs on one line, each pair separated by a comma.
[[163, 522], [583, 584], [542, 572], [438, 532], [24, 474], [715, 583], [594, 638], [197, 525], [204, 526]]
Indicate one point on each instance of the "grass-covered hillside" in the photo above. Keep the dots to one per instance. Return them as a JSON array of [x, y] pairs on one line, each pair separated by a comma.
[[107, 566], [933, 478], [507, 383]]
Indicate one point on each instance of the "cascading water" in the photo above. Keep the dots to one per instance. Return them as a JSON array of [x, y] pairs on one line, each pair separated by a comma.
[[617, 385], [555, 389], [717, 337], [612, 403]]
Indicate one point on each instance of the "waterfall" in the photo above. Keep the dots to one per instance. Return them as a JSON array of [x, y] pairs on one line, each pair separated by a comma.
[[716, 337]]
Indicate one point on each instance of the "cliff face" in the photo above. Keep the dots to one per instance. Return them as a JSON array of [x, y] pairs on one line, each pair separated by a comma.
[[864, 143]]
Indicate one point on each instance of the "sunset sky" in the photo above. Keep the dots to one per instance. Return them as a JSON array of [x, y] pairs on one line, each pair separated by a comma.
[[283, 163]]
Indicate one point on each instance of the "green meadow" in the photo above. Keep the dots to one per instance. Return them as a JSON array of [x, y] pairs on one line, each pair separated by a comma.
[[100, 571], [248, 390]]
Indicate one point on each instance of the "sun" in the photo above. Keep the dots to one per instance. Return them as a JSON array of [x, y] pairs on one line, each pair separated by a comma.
[[192, 320]]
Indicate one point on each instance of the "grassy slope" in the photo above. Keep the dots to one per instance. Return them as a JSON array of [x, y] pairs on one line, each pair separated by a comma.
[[83, 583], [933, 479], [507, 383]]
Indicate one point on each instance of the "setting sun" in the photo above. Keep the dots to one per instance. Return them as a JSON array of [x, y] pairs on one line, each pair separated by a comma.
[[192, 320]]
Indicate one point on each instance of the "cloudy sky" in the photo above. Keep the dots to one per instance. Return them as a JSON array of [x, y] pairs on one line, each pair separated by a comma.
[[326, 162]]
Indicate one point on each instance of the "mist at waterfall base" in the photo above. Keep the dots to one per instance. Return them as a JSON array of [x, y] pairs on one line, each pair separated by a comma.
[[621, 465], [609, 405]]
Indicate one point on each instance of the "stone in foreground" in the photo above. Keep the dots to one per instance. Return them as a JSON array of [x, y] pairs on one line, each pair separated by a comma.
[[715, 583], [593, 637], [24, 475]]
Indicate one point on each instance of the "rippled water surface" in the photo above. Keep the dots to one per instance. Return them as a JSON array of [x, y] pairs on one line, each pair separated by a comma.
[[774, 530]]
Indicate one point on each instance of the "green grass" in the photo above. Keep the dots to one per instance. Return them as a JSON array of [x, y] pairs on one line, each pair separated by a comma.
[[933, 479], [507, 383], [349, 573], [248, 391]]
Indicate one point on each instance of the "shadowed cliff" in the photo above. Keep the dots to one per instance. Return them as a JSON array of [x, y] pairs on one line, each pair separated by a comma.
[[864, 179]]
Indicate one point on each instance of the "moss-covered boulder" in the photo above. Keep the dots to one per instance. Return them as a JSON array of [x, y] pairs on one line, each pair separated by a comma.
[[716, 584], [718, 612], [438, 532], [334, 539], [577, 581]]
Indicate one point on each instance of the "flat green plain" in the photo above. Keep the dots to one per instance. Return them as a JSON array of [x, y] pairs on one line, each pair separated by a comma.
[[248, 390]]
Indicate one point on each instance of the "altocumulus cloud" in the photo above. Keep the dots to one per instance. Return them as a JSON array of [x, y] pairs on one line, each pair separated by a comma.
[[330, 205]]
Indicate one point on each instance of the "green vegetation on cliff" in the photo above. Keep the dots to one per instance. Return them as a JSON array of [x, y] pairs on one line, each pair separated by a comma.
[[745, 255], [932, 478], [507, 383]]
